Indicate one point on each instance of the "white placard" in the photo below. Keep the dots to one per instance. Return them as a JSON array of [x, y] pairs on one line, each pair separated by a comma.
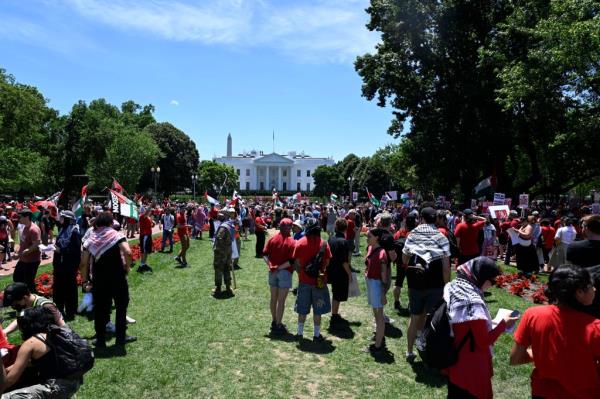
[[499, 198], [499, 212], [524, 201], [354, 196], [393, 195]]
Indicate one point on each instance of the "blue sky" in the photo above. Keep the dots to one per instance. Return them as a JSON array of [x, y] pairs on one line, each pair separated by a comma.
[[249, 67]]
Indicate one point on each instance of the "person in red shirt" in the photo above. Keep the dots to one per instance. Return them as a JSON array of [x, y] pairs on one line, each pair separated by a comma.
[[376, 274], [548, 233], [184, 237], [212, 216], [278, 255], [471, 375], [312, 291], [561, 340], [467, 236], [260, 230], [146, 224]]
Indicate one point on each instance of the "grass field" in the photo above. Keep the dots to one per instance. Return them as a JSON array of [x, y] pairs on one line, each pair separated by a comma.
[[192, 345]]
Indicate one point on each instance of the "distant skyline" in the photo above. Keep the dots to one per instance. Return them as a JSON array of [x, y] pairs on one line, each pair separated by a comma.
[[245, 67]]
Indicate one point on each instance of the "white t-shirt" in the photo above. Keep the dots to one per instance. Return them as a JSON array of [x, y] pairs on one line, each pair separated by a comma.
[[566, 234], [168, 222]]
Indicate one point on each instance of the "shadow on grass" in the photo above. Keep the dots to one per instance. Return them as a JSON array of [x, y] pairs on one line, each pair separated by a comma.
[[285, 337], [385, 356], [392, 331], [223, 295], [110, 352], [320, 348], [428, 376], [342, 328]]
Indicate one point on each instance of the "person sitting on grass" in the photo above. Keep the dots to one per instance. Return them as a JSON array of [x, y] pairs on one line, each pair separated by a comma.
[[278, 254], [560, 339], [36, 358], [376, 274]]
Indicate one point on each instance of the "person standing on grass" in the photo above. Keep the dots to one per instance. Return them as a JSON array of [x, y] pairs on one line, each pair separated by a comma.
[[212, 217], [426, 253], [312, 291], [548, 234], [168, 225], [561, 340], [471, 376], [223, 251], [376, 274], [278, 255], [409, 224], [146, 224], [339, 274], [28, 254], [184, 237], [586, 252], [67, 255], [260, 229], [199, 220], [5, 231], [111, 256], [467, 236]]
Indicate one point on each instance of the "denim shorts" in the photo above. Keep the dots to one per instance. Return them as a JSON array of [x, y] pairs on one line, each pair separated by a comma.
[[423, 301], [311, 295], [280, 279], [374, 293]]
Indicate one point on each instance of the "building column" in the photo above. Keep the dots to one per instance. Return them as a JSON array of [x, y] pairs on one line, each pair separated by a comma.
[[267, 183], [279, 185]]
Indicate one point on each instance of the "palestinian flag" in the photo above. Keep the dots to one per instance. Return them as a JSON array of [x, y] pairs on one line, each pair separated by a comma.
[[210, 199], [333, 198], [55, 197], [372, 198], [36, 214], [484, 187], [123, 205], [78, 206]]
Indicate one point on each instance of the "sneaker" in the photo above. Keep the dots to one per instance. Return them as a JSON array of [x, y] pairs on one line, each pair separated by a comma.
[[229, 291], [374, 349], [282, 329], [216, 291], [273, 325], [181, 266], [319, 338], [178, 259], [410, 357], [127, 340], [130, 320], [388, 320]]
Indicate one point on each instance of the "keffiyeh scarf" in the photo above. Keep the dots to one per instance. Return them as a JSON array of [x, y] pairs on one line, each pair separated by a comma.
[[102, 240], [427, 242]]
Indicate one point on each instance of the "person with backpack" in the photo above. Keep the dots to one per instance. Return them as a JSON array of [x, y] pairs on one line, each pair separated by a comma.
[[311, 259], [339, 274], [38, 356], [426, 253], [471, 325], [376, 276]]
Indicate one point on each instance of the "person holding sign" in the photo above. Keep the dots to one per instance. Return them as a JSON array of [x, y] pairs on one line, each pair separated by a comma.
[[527, 260]]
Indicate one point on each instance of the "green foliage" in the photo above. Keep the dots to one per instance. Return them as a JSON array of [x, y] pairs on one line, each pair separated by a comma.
[[211, 176], [328, 179], [178, 159], [22, 171]]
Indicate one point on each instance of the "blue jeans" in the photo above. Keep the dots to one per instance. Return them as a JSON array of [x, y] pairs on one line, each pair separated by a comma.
[[167, 235]]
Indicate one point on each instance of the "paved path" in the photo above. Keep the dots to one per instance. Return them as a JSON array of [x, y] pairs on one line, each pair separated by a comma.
[[9, 267]]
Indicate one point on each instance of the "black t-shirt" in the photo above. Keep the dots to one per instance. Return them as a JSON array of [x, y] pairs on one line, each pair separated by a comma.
[[110, 266], [339, 254], [584, 253], [420, 278]]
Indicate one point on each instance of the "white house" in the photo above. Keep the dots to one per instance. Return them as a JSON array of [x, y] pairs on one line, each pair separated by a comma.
[[259, 171]]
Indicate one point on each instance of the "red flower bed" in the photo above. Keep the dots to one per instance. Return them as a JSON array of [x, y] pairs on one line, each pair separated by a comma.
[[527, 287], [136, 253], [45, 281]]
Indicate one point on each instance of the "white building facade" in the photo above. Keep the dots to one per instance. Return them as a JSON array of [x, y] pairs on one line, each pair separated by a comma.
[[259, 171]]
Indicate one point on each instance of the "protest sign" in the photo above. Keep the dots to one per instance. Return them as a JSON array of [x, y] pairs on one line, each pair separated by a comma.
[[473, 204], [485, 206], [393, 195], [354, 196], [499, 212], [499, 198], [524, 201]]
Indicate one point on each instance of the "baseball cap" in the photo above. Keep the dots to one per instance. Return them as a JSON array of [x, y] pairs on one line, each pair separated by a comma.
[[312, 226], [14, 291], [285, 222], [428, 213], [468, 212]]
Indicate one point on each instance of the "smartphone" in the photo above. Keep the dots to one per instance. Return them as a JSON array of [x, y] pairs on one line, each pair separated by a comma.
[[515, 313]]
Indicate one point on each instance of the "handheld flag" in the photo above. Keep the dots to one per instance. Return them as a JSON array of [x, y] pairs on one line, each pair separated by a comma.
[[210, 199], [116, 186], [333, 197], [123, 205], [372, 198], [484, 187], [55, 197], [78, 206]]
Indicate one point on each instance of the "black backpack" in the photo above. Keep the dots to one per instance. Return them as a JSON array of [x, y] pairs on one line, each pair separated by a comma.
[[313, 267], [74, 356], [454, 250], [436, 344]]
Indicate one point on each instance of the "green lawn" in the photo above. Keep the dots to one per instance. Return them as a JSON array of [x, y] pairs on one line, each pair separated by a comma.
[[192, 345]]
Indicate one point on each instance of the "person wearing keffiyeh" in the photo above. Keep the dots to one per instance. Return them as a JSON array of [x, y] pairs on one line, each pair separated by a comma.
[[426, 257], [65, 262], [471, 376]]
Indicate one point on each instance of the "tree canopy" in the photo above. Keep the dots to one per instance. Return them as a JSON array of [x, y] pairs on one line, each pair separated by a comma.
[[211, 176]]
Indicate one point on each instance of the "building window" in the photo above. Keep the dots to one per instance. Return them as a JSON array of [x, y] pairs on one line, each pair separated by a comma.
[[247, 185], [284, 186], [307, 172], [298, 186], [238, 172], [262, 185], [299, 173], [307, 186], [285, 173], [247, 172]]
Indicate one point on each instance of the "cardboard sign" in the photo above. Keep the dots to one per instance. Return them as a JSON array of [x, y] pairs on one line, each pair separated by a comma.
[[596, 208], [485, 206], [383, 202], [473, 204], [524, 201], [499, 212], [393, 195], [499, 198], [354, 196]]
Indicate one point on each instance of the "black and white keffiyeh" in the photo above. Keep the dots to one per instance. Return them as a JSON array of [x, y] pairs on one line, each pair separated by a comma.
[[427, 242]]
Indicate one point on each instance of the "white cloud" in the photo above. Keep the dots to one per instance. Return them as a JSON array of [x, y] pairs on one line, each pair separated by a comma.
[[174, 102], [315, 30]]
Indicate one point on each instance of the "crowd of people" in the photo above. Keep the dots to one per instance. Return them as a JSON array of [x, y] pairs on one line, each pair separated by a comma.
[[416, 243]]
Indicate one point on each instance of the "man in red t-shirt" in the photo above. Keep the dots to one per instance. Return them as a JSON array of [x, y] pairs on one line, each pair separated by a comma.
[[29, 255], [312, 291], [278, 255], [548, 233], [467, 236], [184, 237], [146, 224], [260, 230]]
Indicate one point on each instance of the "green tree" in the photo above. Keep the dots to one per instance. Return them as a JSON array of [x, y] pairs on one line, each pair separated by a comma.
[[179, 158], [327, 180], [22, 171], [211, 176]]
